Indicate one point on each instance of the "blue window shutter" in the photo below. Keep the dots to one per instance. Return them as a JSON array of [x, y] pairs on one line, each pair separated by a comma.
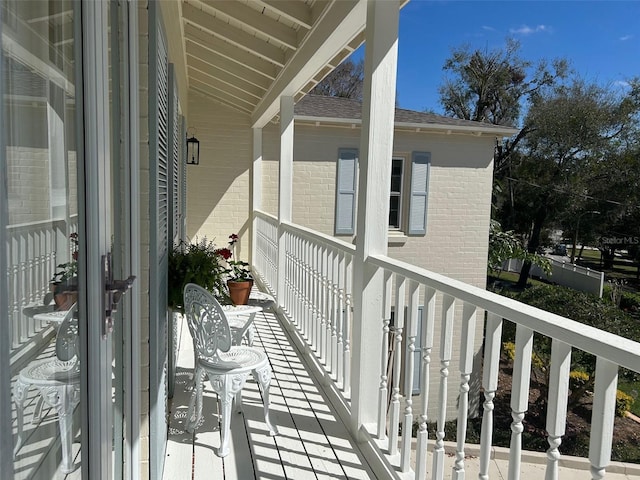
[[346, 191], [419, 194]]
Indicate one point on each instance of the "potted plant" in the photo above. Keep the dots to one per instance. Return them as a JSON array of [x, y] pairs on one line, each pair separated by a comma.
[[199, 263], [239, 280], [64, 283]]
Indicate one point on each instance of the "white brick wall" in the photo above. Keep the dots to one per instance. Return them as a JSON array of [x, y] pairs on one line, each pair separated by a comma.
[[456, 243], [219, 189]]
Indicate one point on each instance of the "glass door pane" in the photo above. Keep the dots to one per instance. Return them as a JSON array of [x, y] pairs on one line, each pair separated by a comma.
[[42, 236]]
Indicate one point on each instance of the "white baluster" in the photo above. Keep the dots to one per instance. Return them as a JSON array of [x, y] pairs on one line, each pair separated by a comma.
[[384, 378], [428, 325], [327, 309], [322, 352], [340, 315], [446, 340], [335, 305], [409, 367], [519, 396], [348, 308], [467, 340], [557, 403], [604, 411], [398, 323], [491, 366]]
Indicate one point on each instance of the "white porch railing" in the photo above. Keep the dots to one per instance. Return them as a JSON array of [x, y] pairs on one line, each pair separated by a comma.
[[317, 302], [32, 258]]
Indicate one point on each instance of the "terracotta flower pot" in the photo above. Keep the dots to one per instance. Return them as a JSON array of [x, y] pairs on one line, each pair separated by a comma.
[[239, 291]]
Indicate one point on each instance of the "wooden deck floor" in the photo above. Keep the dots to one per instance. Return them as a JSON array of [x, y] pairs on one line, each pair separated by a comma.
[[311, 444]]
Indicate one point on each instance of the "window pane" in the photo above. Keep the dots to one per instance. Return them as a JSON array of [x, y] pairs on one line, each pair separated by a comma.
[[39, 103], [395, 192], [394, 211]]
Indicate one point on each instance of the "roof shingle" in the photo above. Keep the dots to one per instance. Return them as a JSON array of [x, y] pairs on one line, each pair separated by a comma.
[[346, 108]]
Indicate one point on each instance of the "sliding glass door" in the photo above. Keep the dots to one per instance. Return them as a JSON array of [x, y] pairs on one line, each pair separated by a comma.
[[64, 241]]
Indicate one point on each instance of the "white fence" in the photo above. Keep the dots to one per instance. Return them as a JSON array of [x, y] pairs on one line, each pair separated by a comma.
[[33, 251], [563, 273], [316, 304]]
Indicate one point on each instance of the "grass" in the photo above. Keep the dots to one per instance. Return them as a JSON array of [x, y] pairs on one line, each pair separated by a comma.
[[622, 269], [633, 389]]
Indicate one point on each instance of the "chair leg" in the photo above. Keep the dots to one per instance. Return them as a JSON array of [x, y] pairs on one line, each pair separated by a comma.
[[19, 396], [194, 413], [263, 377], [228, 388], [225, 422], [65, 422]]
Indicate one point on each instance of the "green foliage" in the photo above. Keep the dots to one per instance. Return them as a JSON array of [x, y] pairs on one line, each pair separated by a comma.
[[632, 389], [488, 86], [578, 379], [505, 245], [580, 306], [199, 263], [623, 403], [585, 308]]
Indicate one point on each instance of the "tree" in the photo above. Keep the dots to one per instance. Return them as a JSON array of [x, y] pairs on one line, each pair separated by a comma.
[[504, 246], [491, 87], [571, 127], [346, 80]]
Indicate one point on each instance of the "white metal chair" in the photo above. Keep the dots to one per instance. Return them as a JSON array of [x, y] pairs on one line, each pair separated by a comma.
[[226, 365], [58, 382]]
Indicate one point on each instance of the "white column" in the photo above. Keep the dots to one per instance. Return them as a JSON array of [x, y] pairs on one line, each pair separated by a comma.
[[285, 190], [256, 191], [376, 148]]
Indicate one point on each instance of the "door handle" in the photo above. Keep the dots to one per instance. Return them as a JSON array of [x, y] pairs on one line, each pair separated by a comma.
[[114, 290]]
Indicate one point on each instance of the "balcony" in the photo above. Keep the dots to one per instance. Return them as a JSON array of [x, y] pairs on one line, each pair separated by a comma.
[[329, 428]]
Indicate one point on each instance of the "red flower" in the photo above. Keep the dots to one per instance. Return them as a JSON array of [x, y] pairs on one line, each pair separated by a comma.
[[233, 238], [224, 253]]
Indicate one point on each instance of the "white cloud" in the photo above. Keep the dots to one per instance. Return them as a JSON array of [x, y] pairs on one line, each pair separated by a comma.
[[488, 28], [625, 38], [621, 84], [527, 30]]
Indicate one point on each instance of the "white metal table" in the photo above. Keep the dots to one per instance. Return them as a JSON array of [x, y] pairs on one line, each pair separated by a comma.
[[240, 318]]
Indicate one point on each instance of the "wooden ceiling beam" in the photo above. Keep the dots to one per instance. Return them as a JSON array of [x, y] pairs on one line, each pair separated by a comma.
[[292, 10], [225, 77], [214, 58], [233, 35], [222, 96], [232, 54], [206, 77], [274, 30]]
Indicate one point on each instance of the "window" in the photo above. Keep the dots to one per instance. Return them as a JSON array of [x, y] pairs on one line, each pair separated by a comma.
[[407, 206], [346, 177], [395, 195]]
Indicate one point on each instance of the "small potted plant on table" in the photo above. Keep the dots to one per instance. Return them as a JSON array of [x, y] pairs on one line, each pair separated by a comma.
[[239, 280], [64, 284]]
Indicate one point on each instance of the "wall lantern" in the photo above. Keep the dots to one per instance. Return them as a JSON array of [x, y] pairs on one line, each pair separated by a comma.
[[193, 148]]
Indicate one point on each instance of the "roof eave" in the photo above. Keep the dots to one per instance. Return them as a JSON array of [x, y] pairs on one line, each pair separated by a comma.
[[479, 130]]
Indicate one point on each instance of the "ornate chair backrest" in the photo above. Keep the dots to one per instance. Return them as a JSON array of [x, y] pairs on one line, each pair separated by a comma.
[[207, 322], [67, 340]]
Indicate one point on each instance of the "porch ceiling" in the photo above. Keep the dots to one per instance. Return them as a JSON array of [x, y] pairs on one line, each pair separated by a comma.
[[247, 53]]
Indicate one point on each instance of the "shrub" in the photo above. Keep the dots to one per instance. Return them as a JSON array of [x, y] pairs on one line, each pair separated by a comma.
[[623, 403], [580, 306], [578, 379], [200, 263]]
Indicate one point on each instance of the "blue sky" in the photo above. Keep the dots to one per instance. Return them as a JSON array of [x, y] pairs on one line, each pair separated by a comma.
[[601, 39]]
